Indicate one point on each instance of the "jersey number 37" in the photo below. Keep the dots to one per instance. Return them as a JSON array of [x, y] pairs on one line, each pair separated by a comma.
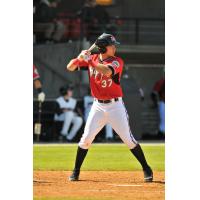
[[106, 83]]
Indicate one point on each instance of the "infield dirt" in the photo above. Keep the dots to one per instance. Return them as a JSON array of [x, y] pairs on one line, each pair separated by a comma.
[[118, 185]]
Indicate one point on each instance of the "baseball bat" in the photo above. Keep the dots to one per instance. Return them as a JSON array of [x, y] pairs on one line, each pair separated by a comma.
[[38, 125], [90, 49]]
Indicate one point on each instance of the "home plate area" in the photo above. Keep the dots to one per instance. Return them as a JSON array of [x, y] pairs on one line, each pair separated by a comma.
[[104, 185]]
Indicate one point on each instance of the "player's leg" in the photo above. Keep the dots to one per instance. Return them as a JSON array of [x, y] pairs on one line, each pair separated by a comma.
[[77, 122], [68, 116], [119, 119], [95, 122]]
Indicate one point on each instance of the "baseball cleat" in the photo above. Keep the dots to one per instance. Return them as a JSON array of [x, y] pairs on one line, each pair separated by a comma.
[[148, 175], [74, 176]]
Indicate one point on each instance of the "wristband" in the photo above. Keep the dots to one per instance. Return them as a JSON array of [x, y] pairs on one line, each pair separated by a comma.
[[75, 61]]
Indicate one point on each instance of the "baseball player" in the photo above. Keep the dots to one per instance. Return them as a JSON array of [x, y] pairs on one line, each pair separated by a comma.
[[105, 70], [66, 113], [38, 85]]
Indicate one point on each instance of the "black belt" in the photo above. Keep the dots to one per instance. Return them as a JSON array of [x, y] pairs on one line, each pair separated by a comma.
[[107, 101]]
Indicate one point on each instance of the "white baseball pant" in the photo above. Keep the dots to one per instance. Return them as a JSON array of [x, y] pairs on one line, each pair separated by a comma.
[[68, 118], [113, 113], [109, 131]]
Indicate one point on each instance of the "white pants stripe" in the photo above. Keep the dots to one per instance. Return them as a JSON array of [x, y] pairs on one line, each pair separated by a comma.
[[101, 114]]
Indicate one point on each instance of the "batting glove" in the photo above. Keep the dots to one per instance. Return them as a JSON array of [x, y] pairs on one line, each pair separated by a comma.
[[41, 96], [84, 55]]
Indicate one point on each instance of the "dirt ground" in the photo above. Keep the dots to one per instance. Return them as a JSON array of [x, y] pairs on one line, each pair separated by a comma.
[[119, 185]]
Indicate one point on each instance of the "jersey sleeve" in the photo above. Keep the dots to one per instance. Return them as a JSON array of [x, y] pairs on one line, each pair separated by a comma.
[[116, 66], [83, 64], [35, 73]]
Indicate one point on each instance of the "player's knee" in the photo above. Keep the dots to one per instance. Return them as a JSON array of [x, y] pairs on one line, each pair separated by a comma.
[[131, 143], [84, 143], [79, 120]]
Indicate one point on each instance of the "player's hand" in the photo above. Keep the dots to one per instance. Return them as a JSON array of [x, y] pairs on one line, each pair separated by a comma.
[[84, 55], [41, 96]]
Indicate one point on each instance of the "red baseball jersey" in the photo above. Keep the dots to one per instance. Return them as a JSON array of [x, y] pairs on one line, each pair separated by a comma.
[[103, 87], [35, 73]]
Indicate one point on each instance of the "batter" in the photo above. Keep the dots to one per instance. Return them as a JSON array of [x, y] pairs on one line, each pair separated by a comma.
[[105, 70]]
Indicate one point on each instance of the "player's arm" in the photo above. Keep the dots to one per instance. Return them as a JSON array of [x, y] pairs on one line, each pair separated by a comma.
[[109, 69], [75, 63], [37, 84], [38, 87], [59, 110], [104, 69]]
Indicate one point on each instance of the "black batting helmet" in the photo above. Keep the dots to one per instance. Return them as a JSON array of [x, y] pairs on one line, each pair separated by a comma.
[[105, 40]]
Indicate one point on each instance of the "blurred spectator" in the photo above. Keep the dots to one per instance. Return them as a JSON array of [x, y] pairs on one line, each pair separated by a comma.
[[88, 101], [38, 85], [155, 92], [66, 113], [96, 19], [158, 98], [45, 24]]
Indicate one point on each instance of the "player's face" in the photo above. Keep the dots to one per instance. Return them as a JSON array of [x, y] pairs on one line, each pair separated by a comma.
[[69, 93], [111, 50]]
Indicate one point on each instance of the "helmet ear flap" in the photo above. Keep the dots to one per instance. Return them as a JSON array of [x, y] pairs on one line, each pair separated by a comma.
[[102, 49]]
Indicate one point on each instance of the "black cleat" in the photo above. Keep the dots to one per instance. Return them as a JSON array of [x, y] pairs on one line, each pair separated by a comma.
[[148, 175], [74, 176]]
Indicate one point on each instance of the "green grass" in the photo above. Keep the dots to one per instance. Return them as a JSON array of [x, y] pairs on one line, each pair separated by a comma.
[[111, 157]]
